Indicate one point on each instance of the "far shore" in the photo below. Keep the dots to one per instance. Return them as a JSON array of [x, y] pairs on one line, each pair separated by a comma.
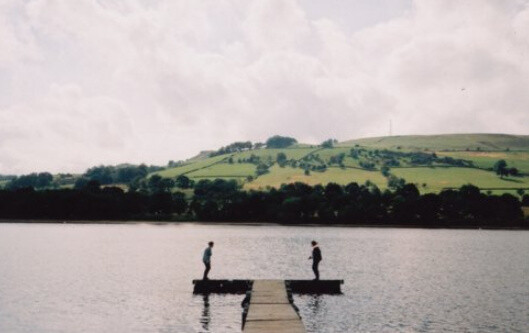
[[254, 224]]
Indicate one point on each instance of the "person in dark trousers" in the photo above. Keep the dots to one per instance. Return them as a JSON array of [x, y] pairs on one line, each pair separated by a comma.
[[206, 259], [316, 258]]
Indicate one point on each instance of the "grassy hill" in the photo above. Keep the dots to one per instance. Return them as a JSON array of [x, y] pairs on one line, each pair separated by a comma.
[[459, 159], [432, 162], [443, 142]]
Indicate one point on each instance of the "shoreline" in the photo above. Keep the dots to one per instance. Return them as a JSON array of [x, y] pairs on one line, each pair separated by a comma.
[[256, 224]]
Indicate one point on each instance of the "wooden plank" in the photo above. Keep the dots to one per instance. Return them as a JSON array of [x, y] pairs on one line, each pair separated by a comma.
[[280, 326], [269, 286], [269, 298], [271, 312], [270, 309]]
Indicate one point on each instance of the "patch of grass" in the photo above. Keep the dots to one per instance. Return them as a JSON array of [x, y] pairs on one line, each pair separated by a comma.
[[225, 170], [351, 162], [187, 168], [519, 160], [278, 176], [446, 142], [327, 153], [439, 178], [291, 153]]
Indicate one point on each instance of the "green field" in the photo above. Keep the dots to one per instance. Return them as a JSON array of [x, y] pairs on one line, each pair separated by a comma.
[[184, 169], [487, 142], [518, 159], [278, 176], [271, 154], [438, 178], [225, 170]]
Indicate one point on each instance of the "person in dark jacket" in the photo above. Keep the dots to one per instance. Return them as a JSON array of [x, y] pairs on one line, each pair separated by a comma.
[[316, 258], [206, 259]]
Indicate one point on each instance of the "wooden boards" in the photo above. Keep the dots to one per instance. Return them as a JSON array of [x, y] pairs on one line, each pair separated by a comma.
[[271, 309]]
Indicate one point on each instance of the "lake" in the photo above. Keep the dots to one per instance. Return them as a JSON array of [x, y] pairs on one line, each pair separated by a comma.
[[137, 277]]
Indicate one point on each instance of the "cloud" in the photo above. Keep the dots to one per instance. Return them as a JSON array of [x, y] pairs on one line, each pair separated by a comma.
[[98, 82]]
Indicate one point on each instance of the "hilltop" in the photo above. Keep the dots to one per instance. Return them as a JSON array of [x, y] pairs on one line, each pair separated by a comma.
[[446, 142]]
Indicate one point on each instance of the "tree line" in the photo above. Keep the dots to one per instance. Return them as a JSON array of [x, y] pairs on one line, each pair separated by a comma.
[[225, 201]]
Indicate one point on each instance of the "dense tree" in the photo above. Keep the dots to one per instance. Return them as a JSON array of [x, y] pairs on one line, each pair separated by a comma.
[[500, 168], [128, 173], [329, 143], [261, 169], [278, 141], [124, 174], [173, 164], [337, 159], [157, 184], [281, 159], [102, 174], [233, 148], [385, 171], [81, 183], [222, 200], [183, 182], [34, 180]]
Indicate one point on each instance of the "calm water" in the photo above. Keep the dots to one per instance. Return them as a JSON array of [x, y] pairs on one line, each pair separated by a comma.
[[137, 278]]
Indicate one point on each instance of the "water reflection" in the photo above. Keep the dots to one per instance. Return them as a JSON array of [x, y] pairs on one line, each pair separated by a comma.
[[314, 309], [205, 319], [314, 304]]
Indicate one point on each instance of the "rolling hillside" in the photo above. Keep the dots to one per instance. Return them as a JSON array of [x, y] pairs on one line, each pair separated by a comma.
[[433, 163]]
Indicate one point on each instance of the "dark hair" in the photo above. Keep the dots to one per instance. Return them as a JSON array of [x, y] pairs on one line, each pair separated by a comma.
[[210, 243], [314, 242]]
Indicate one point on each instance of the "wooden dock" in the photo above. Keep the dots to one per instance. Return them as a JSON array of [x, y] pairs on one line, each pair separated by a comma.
[[271, 309], [243, 286], [268, 305]]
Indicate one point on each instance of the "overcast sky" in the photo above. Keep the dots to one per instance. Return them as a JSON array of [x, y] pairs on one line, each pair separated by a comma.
[[91, 82]]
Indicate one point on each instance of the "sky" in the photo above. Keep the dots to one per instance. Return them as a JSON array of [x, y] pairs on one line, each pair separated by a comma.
[[92, 82]]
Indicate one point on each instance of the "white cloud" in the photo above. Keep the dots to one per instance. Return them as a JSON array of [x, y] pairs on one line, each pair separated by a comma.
[[91, 82]]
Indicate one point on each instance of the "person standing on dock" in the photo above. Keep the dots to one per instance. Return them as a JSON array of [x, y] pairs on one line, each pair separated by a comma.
[[316, 258], [206, 259]]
